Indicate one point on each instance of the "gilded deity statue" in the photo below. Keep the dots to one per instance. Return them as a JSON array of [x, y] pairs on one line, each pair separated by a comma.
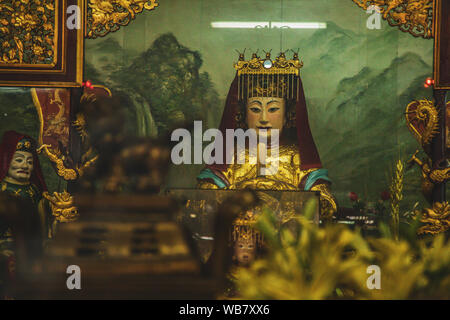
[[268, 98], [21, 175], [266, 95], [21, 178]]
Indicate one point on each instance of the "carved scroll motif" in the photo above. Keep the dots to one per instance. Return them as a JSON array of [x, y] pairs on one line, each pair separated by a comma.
[[108, 16], [412, 16]]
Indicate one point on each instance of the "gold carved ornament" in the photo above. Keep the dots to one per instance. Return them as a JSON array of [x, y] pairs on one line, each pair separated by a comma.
[[28, 32], [434, 176], [62, 206], [423, 121], [266, 77], [105, 16], [436, 219], [80, 122], [328, 204], [412, 16], [53, 153], [88, 158], [280, 65], [61, 169], [244, 227]]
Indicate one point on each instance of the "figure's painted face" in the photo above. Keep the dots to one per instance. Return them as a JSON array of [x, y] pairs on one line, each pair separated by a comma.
[[21, 166], [244, 251], [266, 113]]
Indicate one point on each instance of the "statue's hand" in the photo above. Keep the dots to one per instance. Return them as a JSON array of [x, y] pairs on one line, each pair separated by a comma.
[[62, 206]]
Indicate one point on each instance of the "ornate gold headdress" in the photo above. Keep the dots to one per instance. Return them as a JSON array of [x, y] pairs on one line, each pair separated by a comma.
[[243, 228], [268, 78], [25, 145], [244, 225]]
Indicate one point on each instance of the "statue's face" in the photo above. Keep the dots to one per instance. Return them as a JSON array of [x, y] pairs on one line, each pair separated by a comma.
[[266, 113], [21, 166], [244, 251]]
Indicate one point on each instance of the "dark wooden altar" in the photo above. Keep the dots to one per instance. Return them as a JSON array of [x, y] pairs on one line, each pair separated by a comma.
[[441, 87]]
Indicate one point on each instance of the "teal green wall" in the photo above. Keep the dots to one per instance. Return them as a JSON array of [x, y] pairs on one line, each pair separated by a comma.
[[172, 65]]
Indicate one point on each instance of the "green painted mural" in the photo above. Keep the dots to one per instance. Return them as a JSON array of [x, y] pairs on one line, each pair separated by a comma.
[[171, 65]]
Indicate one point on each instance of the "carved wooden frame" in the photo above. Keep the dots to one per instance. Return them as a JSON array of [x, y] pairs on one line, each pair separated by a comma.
[[67, 70], [442, 45]]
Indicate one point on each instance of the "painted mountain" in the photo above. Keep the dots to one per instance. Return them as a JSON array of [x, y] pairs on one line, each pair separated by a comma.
[[162, 90], [357, 111], [357, 87]]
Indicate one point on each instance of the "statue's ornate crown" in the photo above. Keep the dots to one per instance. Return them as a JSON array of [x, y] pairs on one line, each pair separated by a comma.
[[243, 227], [266, 77], [25, 145], [257, 65]]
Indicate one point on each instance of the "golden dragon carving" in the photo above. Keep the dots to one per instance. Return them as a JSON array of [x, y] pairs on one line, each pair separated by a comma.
[[61, 169], [105, 16], [430, 176], [423, 121], [436, 219], [412, 16], [62, 206]]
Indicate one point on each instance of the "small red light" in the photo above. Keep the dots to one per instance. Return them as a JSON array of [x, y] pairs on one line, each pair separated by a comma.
[[353, 196], [429, 82], [88, 83]]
